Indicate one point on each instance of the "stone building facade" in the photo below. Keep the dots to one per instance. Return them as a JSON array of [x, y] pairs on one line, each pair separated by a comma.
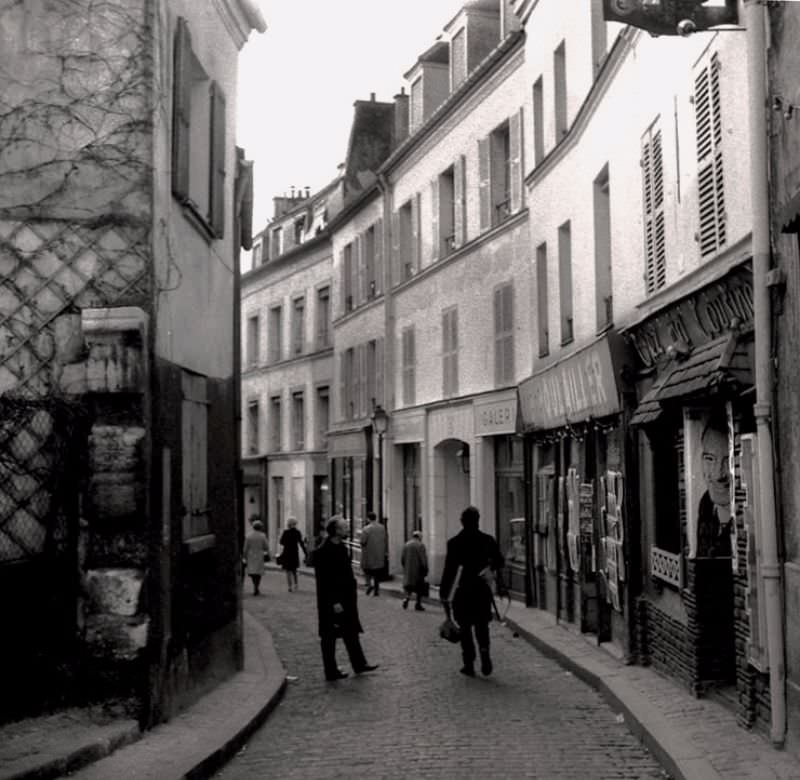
[[116, 371]]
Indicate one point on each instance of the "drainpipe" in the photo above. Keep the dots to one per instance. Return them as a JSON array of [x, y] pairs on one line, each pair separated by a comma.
[[754, 12]]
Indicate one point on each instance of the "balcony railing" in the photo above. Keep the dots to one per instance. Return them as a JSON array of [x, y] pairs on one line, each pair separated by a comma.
[[666, 566]]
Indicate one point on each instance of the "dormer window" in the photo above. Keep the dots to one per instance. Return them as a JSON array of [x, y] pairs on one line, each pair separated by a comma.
[[458, 58], [299, 226], [416, 104]]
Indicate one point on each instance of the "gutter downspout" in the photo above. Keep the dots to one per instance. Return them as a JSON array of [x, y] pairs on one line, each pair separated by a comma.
[[754, 12]]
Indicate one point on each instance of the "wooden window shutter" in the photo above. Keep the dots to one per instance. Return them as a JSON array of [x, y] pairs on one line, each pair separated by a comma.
[[396, 273], [484, 188], [454, 348], [515, 153], [348, 278], [217, 162], [342, 284], [460, 201], [379, 378], [181, 109], [655, 271], [508, 329], [362, 368], [435, 218], [711, 234], [379, 281]]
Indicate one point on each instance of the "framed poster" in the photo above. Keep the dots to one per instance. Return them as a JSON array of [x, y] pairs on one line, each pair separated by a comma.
[[708, 458]]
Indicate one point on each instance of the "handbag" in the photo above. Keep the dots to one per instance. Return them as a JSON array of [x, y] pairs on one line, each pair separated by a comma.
[[424, 589], [450, 631], [279, 559]]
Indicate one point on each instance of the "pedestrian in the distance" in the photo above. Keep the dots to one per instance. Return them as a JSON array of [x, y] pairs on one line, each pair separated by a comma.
[[255, 545], [414, 559], [373, 552], [292, 542], [337, 595], [473, 560]]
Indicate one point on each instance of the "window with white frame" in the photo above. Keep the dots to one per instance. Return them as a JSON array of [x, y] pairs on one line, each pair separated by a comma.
[[655, 252], [450, 352], [198, 137], [323, 317], [504, 335], [541, 299], [565, 282], [368, 258], [560, 90], [253, 425], [253, 341], [323, 415], [275, 423], [298, 325], [500, 172], [298, 420], [444, 213], [538, 121], [711, 234], [409, 365], [275, 334], [348, 299]]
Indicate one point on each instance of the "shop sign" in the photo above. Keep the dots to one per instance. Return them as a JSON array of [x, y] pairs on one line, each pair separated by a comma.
[[347, 445], [700, 318], [580, 386], [495, 417], [451, 423], [408, 428]]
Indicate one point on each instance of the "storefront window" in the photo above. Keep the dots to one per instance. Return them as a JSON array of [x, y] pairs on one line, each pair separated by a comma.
[[412, 520], [509, 492], [667, 450]]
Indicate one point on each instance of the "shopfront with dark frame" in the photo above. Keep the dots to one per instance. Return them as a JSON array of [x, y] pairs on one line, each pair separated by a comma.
[[699, 618], [577, 454]]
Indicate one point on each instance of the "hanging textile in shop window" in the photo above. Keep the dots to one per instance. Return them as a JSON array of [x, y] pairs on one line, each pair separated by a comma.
[[572, 519], [586, 519], [611, 488], [560, 508]]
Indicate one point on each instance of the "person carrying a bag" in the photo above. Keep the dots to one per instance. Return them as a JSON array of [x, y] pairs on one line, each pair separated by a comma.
[[469, 603]]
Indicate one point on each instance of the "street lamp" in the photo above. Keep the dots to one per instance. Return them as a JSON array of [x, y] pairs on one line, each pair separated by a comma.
[[380, 423]]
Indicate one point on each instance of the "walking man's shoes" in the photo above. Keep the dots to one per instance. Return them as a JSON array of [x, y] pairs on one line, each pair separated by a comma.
[[486, 664], [340, 675], [369, 589], [467, 670], [419, 607], [405, 603], [367, 668]]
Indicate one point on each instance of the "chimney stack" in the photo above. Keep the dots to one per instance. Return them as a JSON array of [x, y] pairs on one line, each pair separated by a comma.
[[400, 117]]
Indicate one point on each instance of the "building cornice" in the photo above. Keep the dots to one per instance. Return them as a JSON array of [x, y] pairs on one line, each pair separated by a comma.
[[240, 17], [294, 254], [611, 65]]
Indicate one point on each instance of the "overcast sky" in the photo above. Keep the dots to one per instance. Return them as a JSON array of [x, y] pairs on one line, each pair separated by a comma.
[[299, 79]]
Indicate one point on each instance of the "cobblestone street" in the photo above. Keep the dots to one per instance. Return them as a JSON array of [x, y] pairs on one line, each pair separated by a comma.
[[416, 716]]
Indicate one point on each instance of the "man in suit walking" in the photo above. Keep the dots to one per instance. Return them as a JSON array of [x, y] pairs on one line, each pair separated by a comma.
[[473, 559], [336, 602]]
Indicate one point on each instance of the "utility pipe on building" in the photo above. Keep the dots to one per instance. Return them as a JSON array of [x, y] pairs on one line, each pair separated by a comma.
[[754, 22]]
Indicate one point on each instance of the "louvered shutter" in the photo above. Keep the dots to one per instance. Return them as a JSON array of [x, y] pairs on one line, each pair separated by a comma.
[[435, 250], [653, 202], [508, 329], [348, 278], [710, 182], [484, 188], [379, 280], [454, 350], [181, 109], [515, 165], [217, 162]]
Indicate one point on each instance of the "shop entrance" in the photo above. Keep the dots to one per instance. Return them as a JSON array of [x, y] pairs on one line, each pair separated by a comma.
[[451, 490]]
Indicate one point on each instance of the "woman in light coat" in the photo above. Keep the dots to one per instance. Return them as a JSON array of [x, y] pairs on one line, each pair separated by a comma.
[[415, 569], [255, 545]]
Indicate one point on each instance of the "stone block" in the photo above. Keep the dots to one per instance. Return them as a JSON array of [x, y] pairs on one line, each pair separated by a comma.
[[114, 591], [68, 337], [116, 340], [73, 379], [114, 637], [115, 496], [115, 449]]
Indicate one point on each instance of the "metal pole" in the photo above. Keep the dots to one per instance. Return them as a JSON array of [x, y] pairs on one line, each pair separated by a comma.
[[380, 477], [770, 565]]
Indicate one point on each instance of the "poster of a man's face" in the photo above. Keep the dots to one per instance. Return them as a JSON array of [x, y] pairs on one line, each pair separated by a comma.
[[709, 483]]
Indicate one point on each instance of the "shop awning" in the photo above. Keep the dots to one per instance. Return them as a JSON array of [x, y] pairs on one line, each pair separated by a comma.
[[722, 365]]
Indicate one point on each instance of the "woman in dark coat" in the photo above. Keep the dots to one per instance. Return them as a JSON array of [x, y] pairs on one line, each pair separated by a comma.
[[337, 602], [292, 543], [473, 558]]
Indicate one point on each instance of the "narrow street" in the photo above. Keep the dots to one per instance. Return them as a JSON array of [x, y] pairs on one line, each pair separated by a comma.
[[416, 716]]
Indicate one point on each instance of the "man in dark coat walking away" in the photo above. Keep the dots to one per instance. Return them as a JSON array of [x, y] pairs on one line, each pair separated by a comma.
[[336, 602], [472, 562]]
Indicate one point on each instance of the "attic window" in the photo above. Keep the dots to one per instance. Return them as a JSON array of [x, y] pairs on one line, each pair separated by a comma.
[[299, 226]]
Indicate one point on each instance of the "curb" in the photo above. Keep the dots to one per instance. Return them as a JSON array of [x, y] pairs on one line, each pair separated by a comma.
[[222, 754], [99, 748]]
